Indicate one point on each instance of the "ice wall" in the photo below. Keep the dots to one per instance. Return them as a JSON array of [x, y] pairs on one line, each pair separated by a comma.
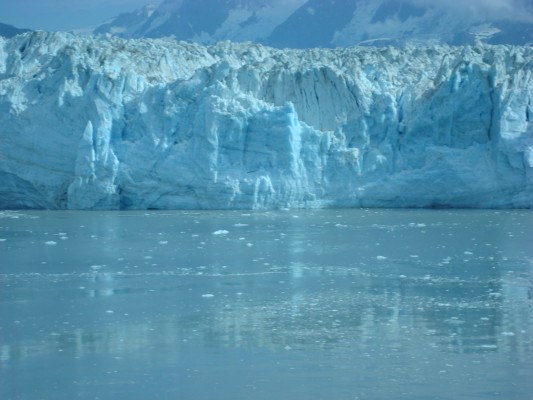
[[105, 123]]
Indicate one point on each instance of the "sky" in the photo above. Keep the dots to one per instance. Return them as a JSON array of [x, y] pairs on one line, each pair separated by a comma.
[[89, 14], [64, 14]]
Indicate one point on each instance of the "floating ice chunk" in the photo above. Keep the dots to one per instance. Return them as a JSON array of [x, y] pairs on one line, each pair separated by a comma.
[[221, 232], [249, 244], [381, 258], [508, 333], [109, 311], [163, 242], [240, 225], [50, 243], [208, 295], [455, 321], [3, 240], [96, 267]]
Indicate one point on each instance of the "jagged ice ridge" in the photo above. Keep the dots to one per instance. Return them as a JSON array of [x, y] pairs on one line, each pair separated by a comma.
[[105, 123]]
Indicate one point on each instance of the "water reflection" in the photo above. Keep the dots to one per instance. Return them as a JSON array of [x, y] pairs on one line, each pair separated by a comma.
[[392, 289], [301, 308]]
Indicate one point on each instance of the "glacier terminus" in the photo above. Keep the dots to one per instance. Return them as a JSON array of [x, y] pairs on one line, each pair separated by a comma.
[[99, 122]]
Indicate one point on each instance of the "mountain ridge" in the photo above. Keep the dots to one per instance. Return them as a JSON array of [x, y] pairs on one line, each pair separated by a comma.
[[323, 23], [9, 31]]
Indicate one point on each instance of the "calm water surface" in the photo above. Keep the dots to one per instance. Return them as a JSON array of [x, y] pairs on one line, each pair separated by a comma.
[[296, 305]]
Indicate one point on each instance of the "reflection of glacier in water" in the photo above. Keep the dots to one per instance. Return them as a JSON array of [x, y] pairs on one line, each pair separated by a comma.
[[338, 303]]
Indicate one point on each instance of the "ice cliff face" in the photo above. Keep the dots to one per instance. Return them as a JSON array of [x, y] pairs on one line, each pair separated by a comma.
[[105, 123]]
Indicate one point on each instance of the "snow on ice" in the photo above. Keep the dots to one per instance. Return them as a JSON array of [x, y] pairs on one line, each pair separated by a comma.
[[105, 123]]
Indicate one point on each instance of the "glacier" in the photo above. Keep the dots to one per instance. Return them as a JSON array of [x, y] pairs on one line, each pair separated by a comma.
[[99, 122]]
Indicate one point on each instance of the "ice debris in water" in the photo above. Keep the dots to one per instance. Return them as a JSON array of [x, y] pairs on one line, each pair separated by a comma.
[[50, 243], [208, 295], [220, 232]]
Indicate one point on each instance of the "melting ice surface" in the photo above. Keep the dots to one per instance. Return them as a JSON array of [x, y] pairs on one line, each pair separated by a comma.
[[330, 304], [104, 123]]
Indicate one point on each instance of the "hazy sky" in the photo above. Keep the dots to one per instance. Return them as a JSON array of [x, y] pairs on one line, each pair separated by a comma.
[[76, 14], [64, 14]]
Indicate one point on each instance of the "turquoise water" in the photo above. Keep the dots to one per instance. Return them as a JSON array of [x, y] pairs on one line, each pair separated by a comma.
[[330, 304]]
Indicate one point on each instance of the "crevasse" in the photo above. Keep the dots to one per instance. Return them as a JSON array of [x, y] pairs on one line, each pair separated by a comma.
[[105, 123]]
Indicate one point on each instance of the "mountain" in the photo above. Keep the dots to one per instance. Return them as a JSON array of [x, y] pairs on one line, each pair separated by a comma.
[[128, 24], [105, 123], [204, 21], [330, 23], [9, 31]]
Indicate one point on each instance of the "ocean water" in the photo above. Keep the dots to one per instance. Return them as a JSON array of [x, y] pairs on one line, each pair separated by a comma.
[[296, 305]]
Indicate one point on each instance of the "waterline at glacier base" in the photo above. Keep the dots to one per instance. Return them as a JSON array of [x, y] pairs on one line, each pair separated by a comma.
[[105, 123]]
